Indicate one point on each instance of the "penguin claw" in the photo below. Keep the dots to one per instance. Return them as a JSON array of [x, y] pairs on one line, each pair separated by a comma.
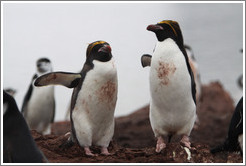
[[107, 154], [185, 142], [160, 145], [104, 151], [89, 153]]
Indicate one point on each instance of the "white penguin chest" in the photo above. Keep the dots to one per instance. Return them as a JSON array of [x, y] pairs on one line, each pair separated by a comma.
[[41, 105], [169, 76], [42, 98], [172, 108], [98, 95]]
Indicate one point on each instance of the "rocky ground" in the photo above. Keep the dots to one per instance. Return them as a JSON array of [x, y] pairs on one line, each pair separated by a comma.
[[134, 142]]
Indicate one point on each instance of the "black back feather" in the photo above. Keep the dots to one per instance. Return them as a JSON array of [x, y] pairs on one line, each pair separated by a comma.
[[18, 144]]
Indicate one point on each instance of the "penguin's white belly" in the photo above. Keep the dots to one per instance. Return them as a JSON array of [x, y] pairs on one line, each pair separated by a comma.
[[93, 113], [40, 108], [172, 108]]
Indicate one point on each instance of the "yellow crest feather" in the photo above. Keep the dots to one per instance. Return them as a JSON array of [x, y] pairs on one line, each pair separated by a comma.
[[91, 45], [170, 22]]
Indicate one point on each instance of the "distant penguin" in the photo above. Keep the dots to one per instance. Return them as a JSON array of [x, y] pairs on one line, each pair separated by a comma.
[[240, 81], [93, 99], [195, 70], [18, 144], [240, 78], [234, 140], [39, 103], [172, 85], [196, 73], [10, 91]]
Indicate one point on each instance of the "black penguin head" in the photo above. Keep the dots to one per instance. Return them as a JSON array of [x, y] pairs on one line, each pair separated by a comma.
[[99, 50], [44, 65], [167, 29]]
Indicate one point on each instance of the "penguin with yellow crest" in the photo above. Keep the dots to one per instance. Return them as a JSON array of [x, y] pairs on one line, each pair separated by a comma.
[[172, 85], [94, 97]]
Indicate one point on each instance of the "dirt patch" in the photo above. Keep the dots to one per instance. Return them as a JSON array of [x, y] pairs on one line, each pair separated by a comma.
[[164, 70], [107, 92], [134, 141]]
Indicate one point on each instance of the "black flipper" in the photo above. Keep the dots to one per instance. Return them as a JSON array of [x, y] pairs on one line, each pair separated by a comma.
[[69, 80], [18, 143], [146, 60]]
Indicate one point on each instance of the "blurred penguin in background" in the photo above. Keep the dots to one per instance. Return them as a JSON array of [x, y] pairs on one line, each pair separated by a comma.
[[10, 91], [18, 144], [195, 68], [196, 72], [240, 81], [39, 103], [240, 78]]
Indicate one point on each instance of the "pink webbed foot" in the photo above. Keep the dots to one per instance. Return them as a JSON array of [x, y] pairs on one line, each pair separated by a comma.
[[88, 152], [104, 151], [160, 144], [185, 141]]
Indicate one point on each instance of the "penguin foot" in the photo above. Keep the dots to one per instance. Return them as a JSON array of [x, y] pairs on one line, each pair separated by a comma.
[[88, 152], [160, 144], [104, 151], [185, 141]]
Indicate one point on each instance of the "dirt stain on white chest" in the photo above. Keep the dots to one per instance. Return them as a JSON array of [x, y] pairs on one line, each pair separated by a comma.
[[107, 92], [164, 72]]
